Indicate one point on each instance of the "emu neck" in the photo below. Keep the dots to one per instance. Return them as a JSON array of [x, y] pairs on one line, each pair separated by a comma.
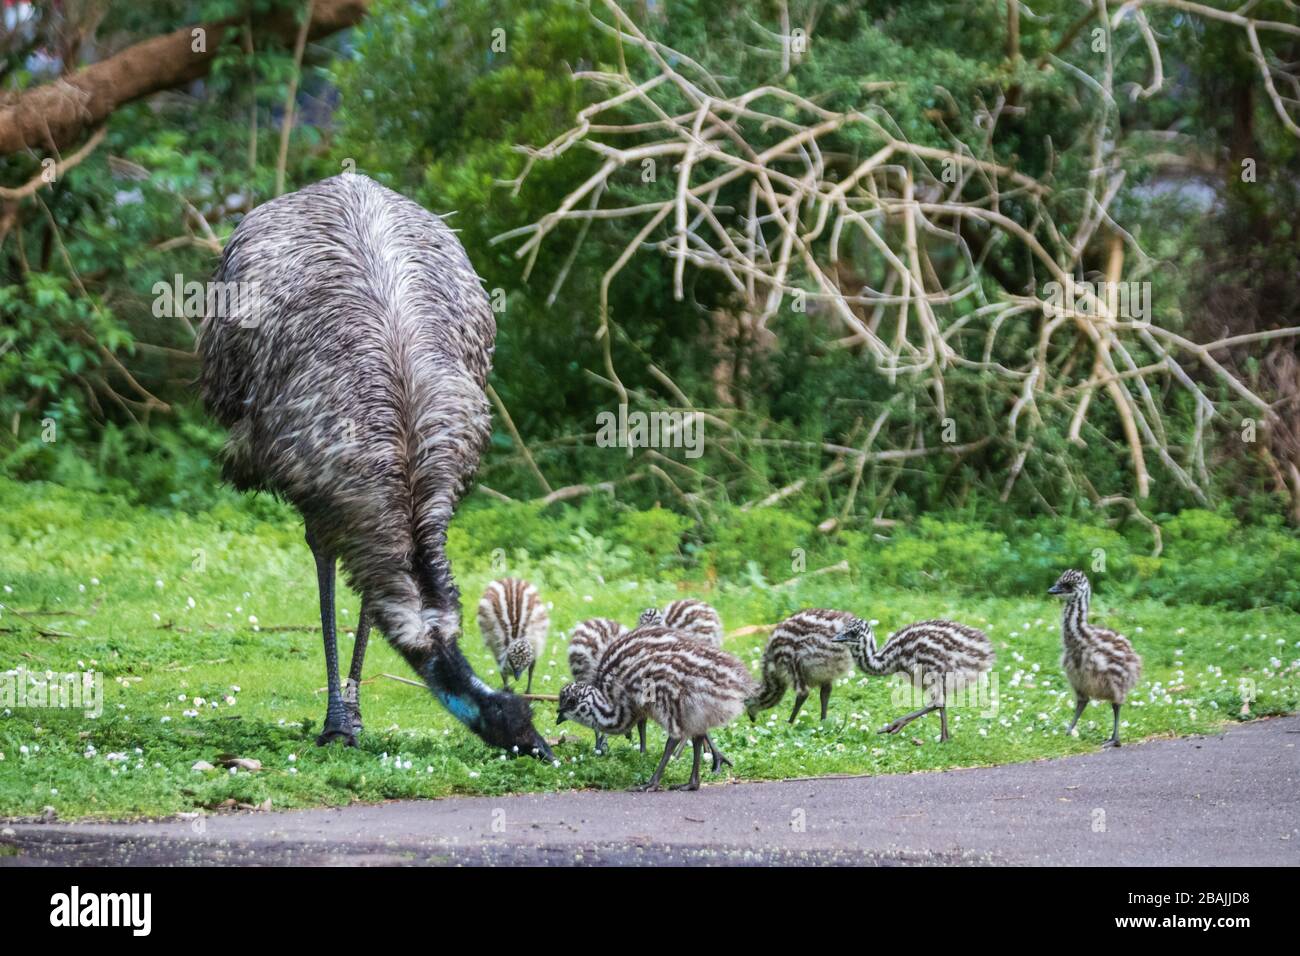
[[457, 687], [1074, 619], [771, 691], [611, 715], [864, 653]]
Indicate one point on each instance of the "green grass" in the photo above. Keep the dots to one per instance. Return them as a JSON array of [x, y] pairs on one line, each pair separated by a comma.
[[222, 607]]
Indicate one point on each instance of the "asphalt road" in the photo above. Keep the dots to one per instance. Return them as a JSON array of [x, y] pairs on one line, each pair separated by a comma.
[[1229, 799]]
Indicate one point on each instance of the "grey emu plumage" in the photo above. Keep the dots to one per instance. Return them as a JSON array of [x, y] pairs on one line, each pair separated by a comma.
[[352, 383]]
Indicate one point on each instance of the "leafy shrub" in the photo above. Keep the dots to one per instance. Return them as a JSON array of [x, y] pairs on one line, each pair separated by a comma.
[[654, 534], [764, 536], [478, 531]]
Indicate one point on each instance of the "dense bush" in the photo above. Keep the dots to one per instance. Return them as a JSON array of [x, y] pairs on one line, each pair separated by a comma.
[[1208, 558]]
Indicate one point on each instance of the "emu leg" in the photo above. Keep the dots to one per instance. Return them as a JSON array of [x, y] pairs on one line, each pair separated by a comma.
[[826, 699], [653, 782], [529, 688], [337, 724], [1079, 705], [640, 729], [601, 745], [694, 784], [681, 745], [1114, 734], [798, 703], [906, 719], [943, 724], [719, 758], [352, 686]]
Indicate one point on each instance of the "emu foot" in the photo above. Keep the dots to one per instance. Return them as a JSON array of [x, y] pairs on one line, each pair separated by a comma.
[[690, 785], [651, 787], [1113, 742], [893, 728], [330, 734], [338, 726], [354, 720]]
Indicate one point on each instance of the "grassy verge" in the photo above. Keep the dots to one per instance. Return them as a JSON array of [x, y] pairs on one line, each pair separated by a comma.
[[205, 631]]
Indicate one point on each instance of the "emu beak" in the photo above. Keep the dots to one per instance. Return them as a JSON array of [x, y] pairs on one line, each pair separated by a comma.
[[559, 718], [1056, 589], [840, 638], [542, 750], [753, 719]]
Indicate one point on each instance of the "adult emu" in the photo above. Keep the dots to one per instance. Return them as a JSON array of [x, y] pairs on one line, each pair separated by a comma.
[[351, 376]]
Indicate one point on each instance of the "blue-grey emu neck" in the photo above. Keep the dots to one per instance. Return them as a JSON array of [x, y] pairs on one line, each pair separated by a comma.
[[352, 385]]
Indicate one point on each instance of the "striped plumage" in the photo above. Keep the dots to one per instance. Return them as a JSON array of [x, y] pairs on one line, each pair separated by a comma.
[[586, 645], [939, 657], [1099, 663], [352, 385], [801, 653], [692, 617], [685, 686], [514, 624]]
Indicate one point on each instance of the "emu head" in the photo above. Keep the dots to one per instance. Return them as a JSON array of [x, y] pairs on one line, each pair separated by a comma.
[[651, 615], [1070, 583], [519, 657], [857, 632], [499, 718], [508, 724], [578, 703]]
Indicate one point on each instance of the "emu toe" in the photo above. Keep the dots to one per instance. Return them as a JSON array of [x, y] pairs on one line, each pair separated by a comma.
[[719, 758], [689, 785], [645, 788], [1112, 742]]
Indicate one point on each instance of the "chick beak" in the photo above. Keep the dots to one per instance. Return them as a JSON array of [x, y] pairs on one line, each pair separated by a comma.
[[840, 639], [1056, 589]]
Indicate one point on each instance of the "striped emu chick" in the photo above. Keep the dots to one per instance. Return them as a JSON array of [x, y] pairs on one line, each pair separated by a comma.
[[694, 618], [802, 654], [1100, 664], [513, 622], [939, 657], [587, 644], [685, 686]]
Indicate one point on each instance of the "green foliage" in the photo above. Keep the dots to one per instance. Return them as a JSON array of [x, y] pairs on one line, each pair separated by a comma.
[[764, 536], [655, 534]]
